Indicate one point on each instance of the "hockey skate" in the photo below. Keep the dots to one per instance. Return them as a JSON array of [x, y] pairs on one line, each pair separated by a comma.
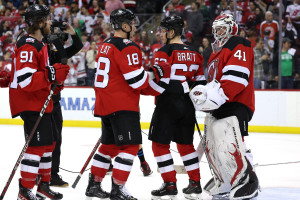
[[167, 190], [247, 188], [193, 190], [94, 189], [44, 192], [119, 192], [26, 194], [146, 168]]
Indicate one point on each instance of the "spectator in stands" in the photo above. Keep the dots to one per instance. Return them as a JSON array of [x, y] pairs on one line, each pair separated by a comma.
[[262, 5], [171, 11], [261, 64], [270, 25], [130, 5], [61, 10], [78, 26], [293, 14], [178, 6], [274, 8], [207, 51], [95, 8], [194, 20], [259, 18], [242, 33], [249, 16], [4, 27], [252, 36], [288, 65], [90, 58], [87, 18], [223, 7], [205, 11], [190, 40], [288, 31], [112, 5]]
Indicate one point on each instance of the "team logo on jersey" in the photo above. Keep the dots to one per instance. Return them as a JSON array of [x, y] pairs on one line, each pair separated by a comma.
[[212, 70], [30, 40], [126, 41]]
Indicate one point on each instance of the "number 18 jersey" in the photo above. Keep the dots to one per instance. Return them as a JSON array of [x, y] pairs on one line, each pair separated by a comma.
[[120, 77]]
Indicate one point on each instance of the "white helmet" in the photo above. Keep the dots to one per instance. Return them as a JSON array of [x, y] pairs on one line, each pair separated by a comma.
[[224, 21]]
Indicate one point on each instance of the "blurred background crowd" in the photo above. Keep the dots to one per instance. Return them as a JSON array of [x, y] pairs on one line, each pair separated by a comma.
[[258, 22]]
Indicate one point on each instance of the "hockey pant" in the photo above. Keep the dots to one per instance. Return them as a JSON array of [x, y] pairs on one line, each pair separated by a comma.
[[122, 164], [165, 161]]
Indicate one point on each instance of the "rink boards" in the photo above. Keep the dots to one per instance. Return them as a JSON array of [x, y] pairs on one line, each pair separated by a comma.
[[276, 111]]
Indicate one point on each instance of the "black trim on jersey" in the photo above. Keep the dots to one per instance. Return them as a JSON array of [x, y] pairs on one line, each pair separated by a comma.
[[24, 76], [119, 43], [169, 48], [236, 40], [165, 163], [36, 44], [162, 84], [101, 158], [238, 74], [46, 159], [136, 78], [124, 161]]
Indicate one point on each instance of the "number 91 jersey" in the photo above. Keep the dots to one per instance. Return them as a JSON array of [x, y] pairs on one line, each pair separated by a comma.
[[233, 67], [120, 77], [186, 65]]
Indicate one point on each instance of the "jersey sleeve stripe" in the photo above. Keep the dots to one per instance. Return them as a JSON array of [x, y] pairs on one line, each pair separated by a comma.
[[235, 79], [133, 74], [156, 87], [24, 76], [138, 80], [236, 68]]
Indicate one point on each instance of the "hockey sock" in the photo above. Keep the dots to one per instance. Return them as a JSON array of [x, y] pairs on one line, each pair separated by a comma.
[[164, 161], [45, 167], [190, 160], [102, 160], [141, 155], [123, 163]]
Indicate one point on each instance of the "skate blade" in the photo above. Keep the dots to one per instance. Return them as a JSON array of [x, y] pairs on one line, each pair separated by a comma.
[[167, 197], [193, 196]]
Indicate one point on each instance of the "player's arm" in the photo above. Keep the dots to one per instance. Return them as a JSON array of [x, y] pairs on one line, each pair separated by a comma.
[[236, 72]]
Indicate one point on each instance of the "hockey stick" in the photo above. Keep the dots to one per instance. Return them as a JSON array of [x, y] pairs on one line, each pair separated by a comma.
[[86, 163], [28, 140], [205, 152]]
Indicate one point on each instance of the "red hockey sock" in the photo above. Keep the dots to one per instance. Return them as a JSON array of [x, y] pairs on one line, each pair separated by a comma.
[[190, 160], [164, 161]]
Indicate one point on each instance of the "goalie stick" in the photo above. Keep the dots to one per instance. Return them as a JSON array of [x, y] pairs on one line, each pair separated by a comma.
[[86, 163], [28, 140]]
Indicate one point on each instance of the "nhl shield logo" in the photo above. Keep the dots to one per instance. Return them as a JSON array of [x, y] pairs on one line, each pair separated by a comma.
[[212, 70]]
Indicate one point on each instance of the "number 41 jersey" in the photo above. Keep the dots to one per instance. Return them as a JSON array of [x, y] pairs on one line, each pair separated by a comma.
[[120, 77]]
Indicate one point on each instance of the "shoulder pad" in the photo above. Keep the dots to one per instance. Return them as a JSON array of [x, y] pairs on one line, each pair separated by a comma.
[[169, 48], [236, 40], [30, 41], [121, 43]]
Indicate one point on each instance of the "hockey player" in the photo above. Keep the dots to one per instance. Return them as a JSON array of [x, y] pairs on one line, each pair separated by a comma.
[[30, 86], [229, 100], [119, 81], [4, 78], [174, 116]]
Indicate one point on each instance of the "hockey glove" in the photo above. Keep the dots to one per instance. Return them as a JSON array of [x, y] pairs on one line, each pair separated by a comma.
[[58, 89], [4, 78], [161, 70], [58, 72]]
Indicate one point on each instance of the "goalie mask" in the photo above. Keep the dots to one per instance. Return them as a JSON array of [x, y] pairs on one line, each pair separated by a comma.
[[223, 28]]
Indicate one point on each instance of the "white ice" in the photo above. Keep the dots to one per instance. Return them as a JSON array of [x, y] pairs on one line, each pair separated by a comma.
[[278, 182]]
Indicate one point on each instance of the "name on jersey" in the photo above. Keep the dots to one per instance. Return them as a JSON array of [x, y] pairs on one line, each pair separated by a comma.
[[30, 40], [104, 49], [186, 56]]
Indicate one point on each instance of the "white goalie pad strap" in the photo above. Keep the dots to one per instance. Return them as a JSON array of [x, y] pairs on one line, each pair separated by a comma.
[[208, 97], [228, 149]]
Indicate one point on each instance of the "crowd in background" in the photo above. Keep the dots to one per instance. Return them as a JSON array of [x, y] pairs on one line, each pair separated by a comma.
[[258, 22]]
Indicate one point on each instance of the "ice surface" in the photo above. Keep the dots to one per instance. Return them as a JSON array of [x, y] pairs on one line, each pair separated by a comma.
[[278, 182]]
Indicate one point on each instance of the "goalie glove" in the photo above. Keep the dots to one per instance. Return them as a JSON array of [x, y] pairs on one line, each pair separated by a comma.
[[208, 97]]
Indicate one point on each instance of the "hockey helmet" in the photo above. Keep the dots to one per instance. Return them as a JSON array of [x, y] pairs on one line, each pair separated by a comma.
[[224, 26], [120, 16], [173, 23], [35, 12]]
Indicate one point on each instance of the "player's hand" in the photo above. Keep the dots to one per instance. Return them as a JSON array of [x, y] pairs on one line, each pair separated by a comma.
[[161, 70], [58, 89], [4, 78], [58, 72]]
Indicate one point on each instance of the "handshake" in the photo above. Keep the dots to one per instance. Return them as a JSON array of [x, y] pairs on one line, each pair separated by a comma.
[[161, 70], [58, 72]]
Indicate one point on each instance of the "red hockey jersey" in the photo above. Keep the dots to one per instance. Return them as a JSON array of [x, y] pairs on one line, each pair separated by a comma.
[[29, 87], [186, 65], [120, 77], [233, 67]]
